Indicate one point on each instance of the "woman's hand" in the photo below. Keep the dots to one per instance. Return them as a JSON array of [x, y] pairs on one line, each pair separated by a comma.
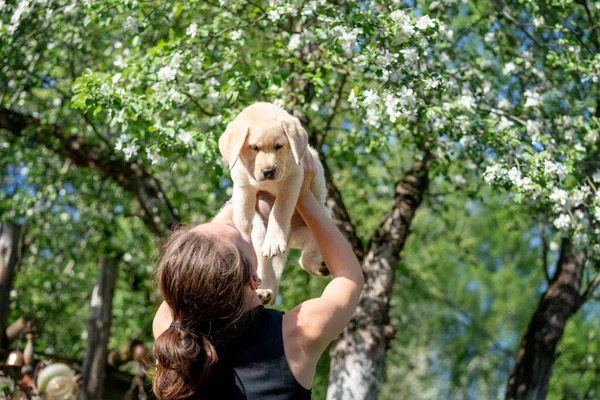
[[225, 214], [309, 173]]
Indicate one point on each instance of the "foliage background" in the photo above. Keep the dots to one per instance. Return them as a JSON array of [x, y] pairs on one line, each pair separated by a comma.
[[142, 82]]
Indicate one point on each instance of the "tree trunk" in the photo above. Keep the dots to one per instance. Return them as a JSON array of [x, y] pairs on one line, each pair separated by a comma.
[[155, 209], [358, 355], [9, 257], [530, 376], [94, 363]]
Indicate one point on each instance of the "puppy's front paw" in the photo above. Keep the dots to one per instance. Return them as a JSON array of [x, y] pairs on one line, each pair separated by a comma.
[[265, 295], [275, 243]]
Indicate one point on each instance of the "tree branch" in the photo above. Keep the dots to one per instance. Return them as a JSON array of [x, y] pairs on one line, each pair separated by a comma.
[[334, 201], [512, 19], [131, 176], [544, 252], [320, 137], [338, 209], [589, 292]]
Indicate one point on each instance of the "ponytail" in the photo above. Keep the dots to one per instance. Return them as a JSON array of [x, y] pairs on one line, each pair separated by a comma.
[[202, 279], [183, 363]]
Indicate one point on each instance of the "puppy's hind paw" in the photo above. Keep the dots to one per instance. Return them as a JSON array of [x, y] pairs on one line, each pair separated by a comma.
[[313, 264], [265, 295]]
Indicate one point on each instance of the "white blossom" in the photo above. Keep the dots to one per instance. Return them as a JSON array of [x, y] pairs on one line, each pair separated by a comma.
[[21, 9], [505, 123], [309, 8], [560, 197], [431, 83], [352, 99], [494, 172], [504, 104], [185, 137], [119, 62], [397, 15], [194, 88], [167, 73], [552, 168], [407, 97], [410, 55], [130, 24], [236, 35], [130, 150], [467, 101], [213, 96], [562, 222], [526, 184], [425, 22], [153, 157], [597, 213], [534, 128], [274, 14], [192, 30], [294, 42], [370, 97], [578, 195], [387, 58], [347, 38], [175, 95], [407, 28], [372, 118], [509, 68], [121, 140], [514, 175], [533, 98], [467, 141], [391, 104]]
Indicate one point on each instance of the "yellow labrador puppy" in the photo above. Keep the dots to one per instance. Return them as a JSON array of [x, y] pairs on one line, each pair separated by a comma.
[[264, 147]]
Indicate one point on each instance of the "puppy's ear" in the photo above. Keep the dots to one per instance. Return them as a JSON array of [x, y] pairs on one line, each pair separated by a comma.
[[297, 137], [232, 140]]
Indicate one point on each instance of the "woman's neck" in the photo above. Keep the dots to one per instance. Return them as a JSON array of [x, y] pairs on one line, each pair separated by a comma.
[[251, 300]]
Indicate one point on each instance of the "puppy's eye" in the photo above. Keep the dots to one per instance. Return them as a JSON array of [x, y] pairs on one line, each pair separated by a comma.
[[254, 148], [278, 146]]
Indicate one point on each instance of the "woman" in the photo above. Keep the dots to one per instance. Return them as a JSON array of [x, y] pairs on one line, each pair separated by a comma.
[[213, 336]]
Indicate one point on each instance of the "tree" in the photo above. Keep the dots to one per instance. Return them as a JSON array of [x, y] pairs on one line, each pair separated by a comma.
[[541, 130], [9, 258], [111, 112], [99, 323], [161, 93]]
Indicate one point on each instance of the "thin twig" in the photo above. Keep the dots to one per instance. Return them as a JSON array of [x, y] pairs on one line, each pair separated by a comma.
[[591, 288], [335, 100], [507, 15], [544, 252]]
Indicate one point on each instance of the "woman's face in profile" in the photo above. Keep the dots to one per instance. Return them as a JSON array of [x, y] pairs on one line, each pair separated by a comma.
[[227, 231]]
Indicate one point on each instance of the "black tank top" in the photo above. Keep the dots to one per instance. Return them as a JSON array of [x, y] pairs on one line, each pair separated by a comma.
[[254, 367]]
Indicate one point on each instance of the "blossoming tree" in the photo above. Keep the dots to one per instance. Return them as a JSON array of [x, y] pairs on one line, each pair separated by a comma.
[[445, 82]]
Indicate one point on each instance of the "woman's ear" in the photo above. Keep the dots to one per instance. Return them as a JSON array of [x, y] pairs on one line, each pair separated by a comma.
[[255, 282]]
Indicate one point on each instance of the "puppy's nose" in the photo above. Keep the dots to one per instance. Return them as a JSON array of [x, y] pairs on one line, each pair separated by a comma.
[[268, 173]]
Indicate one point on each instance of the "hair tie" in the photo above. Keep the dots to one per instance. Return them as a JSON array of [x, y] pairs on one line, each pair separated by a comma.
[[175, 324]]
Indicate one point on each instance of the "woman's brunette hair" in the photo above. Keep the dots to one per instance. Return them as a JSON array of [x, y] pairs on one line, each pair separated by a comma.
[[202, 279]]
